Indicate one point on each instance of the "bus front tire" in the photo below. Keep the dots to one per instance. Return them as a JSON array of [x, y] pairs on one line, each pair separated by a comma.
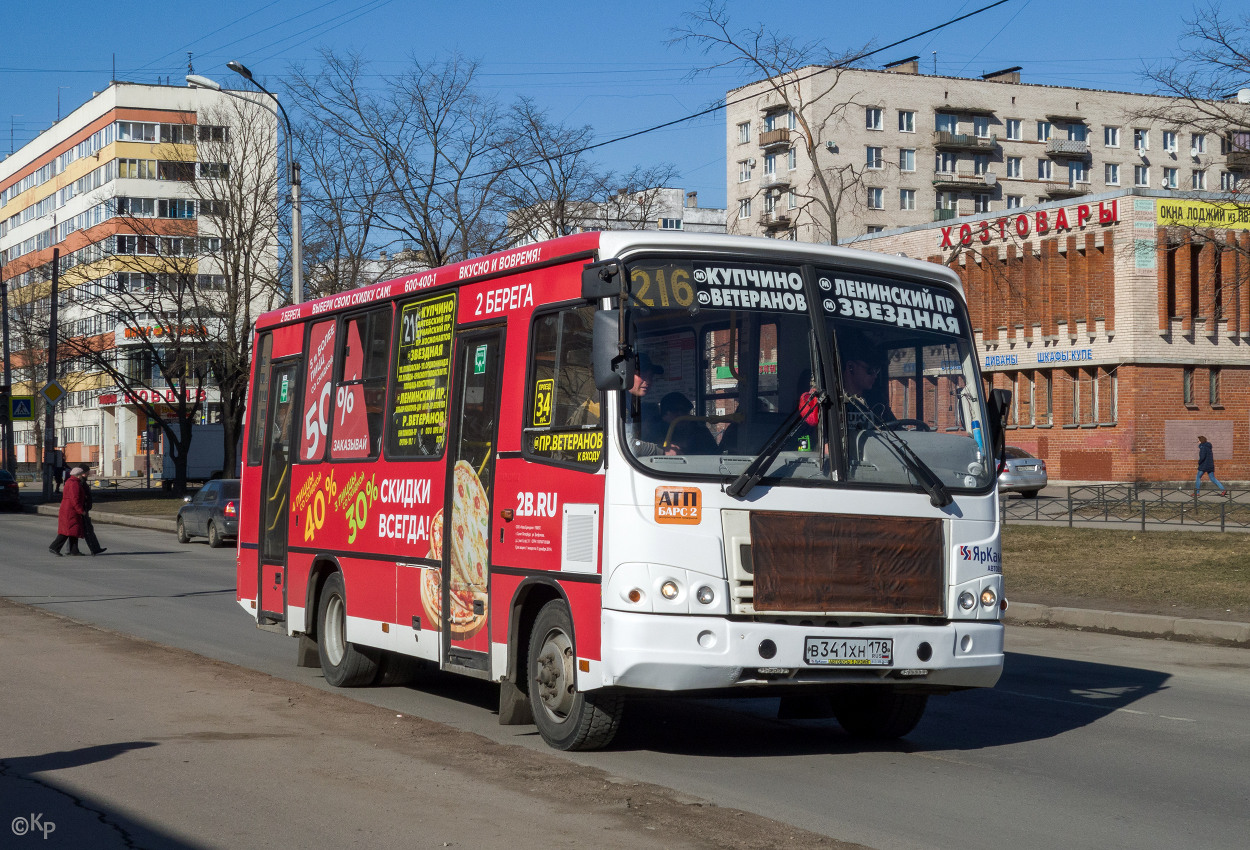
[[567, 719], [877, 712], [344, 664]]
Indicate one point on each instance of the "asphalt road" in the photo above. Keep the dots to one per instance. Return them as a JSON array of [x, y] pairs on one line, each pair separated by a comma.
[[1088, 741]]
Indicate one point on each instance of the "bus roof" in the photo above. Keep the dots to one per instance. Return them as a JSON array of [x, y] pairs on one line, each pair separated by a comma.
[[606, 244]]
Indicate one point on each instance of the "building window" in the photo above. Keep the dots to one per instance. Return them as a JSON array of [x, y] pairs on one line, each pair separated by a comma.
[[744, 170], [770, 121], [1228, 180], [981, 126], [670, 224], [792, 158], [1169, 177], [906, 121], [770, 163], [1047, 416], [744, 208], [872, 118], [744, 132], [1169, 141], [873, 158], [947, 200], [946, 162], [1141, 140], [906, 199], [1015, 166], [1199, 180], [876, 228], [1077, 173], [792, 199], [1045, 169], [907, 159], [1110, 137], [1015, 201], [1187, 387], [981, 163], [1198, 144], [1015, 129], [1111, 174], [1078, 133], [947, 122], [1213, 388], [876, 198], [1043, 130], [981, 203], [770, 203], [792, 121], [1141, 175]]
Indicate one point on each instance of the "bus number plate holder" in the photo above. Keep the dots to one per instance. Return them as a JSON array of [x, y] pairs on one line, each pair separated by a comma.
[[848, 652]]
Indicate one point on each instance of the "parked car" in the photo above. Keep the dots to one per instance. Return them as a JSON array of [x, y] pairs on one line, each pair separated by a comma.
[[1023, 474], [9, 495], [213, 512]]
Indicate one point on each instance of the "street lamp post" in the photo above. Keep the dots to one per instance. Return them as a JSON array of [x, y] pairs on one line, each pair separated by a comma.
[[292, 168]]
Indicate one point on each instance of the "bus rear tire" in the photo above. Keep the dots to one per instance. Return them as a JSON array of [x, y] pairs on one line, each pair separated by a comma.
[[877, 712], [567, 719], [344, 664]]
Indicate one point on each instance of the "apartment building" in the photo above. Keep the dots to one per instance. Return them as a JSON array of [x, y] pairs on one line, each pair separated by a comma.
[[664, 208], [903, 148], [109, 189]]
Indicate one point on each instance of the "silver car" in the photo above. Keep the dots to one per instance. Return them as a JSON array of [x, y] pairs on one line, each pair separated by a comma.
[[1023, 473]]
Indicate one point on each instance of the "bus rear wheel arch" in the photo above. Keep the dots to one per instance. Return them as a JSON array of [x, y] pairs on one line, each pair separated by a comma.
[[566, 717]]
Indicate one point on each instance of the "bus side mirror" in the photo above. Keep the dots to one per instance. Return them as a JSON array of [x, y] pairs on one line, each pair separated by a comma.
[[601, 280], [613, 371], [999, 403]]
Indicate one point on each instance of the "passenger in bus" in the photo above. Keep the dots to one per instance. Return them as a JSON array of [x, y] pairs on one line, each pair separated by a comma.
[[648, 427], [862, 362], [688, 436]]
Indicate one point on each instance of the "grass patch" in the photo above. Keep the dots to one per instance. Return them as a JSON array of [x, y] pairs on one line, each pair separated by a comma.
[[1159, 571], [161, 507]]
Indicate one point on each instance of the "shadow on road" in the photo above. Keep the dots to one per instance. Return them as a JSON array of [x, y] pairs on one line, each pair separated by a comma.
[[48, 810]]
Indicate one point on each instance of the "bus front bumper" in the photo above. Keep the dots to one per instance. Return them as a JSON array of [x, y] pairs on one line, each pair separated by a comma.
[[679, 653]]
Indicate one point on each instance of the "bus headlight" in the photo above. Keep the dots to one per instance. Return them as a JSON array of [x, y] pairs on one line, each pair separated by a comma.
[[967, 600], [705, 595], [669, 589], [989, 598]]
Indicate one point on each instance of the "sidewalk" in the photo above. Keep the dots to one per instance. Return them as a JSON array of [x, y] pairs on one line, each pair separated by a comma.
[[1019, 613]]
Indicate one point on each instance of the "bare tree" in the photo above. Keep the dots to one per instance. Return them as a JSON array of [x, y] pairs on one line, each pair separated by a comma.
[[430, 137], [804, 78]]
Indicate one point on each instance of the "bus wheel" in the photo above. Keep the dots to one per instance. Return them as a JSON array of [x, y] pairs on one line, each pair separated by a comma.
[[345, 665], [568, 719], [878, 712]]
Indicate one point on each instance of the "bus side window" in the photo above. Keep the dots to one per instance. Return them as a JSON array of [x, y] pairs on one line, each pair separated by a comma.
[[360, 394], [259, 401], [314, 425], [563, 420]]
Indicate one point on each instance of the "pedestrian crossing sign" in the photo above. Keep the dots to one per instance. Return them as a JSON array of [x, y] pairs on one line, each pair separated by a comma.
[[22, 408]]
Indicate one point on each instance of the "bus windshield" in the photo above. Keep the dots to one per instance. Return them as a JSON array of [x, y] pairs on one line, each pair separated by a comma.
[[727, 352]]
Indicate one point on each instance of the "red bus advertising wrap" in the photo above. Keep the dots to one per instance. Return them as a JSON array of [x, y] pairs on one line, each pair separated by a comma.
[[633, 463]]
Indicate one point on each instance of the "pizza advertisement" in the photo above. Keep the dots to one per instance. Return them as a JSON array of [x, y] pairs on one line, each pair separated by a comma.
[[467, 548]]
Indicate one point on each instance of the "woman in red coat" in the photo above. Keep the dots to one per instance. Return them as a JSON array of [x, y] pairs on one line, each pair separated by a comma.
[[70, 525]]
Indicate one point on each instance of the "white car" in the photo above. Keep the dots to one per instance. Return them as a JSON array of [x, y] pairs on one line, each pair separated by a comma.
[[1023, 473]]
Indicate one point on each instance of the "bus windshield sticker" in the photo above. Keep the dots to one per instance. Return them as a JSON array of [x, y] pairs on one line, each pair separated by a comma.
[[730, 286], [889, 302], [422, 374]]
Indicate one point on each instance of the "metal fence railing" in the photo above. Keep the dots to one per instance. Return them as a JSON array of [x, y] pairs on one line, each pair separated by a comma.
[[1144, 506]]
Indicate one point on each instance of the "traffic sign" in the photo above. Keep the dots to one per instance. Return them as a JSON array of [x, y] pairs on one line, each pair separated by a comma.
[[52, 392], [22, 408]]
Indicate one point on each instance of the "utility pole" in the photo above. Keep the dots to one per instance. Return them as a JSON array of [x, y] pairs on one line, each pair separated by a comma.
[[49, 420]]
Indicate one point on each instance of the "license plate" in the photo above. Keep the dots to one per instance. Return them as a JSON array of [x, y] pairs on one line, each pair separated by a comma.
[[849, 652]]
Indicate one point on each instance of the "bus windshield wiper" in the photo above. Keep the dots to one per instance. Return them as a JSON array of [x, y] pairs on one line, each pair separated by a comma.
[[939, 496], [808, 407]]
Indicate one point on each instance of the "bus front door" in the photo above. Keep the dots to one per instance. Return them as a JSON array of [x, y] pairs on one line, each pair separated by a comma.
[[466, 575], [276, 492]]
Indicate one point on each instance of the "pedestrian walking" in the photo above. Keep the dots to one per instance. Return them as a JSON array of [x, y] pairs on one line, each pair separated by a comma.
[[1206, 465], [69, 524], [93, 542]]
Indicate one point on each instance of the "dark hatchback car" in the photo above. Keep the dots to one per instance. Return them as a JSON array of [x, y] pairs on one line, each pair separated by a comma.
[[213, 513], [9, 494]]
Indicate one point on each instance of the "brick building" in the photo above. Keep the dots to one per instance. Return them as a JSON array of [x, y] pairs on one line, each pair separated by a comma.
[[1122, 328]]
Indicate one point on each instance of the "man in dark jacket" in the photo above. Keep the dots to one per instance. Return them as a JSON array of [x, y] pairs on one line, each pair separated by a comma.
[[1206, 464]]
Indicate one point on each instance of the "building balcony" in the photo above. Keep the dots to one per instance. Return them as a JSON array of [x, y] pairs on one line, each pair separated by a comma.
[[774, 181], [1063, 189], [963, 180], [944, 215], [1238, 160], [944, 140], [774, 138], [1067, 148], [774, 220]]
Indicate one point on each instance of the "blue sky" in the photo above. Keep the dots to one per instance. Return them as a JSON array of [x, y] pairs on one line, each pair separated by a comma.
[[608, 65]]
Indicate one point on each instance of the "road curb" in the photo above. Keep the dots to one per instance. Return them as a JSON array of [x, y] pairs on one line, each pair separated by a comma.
[[1121, 622], [170, 525]]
